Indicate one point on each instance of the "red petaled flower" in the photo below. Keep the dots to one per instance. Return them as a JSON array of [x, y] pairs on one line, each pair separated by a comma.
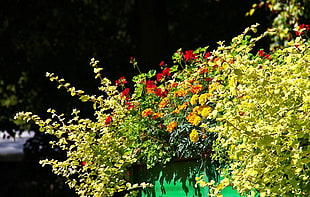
[[162, 63], [108, 120], [166, 72], [159, 76], [301, 29], [83, 163], [150, 86], [125, 92], [121, 81], [130, 105], [261, 53], [160, 92], [208, 79], [189, 55], [208, 54]]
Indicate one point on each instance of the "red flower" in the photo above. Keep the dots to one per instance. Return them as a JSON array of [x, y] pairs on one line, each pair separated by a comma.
[[162, 63], [160, 92], [261, 53], [267, 57], [301, 29], [130, 106], [83, 163], [121, 81], [208, 54], [208, 79], [166, 72], [125, 92], [150, 86], [108, 120], [159, 76], [189, 55]]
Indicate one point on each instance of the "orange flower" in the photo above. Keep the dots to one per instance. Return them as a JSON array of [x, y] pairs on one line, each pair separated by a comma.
[[147, 112], [180, 93], [195, 89], [183, 106], [163, 103], [180, 107], [172, 84], [171, 126], [193, 118], [203, 70], [158, 115]]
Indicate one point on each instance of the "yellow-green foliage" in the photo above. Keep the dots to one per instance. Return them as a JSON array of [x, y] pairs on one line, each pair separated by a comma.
[[266, 122], [97, 155]]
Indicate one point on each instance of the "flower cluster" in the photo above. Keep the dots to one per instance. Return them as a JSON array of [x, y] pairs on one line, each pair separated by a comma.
[[301, 29]]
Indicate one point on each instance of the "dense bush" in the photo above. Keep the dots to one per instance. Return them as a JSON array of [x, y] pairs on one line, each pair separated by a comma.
[[265, 122], [255, 105]]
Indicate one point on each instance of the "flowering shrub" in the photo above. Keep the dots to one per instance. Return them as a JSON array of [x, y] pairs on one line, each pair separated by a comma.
[[247, 111]]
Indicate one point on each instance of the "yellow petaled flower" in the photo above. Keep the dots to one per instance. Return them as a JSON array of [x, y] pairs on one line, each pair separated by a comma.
[[193, 118], [147, 112], [163, 103], [212, 87], [171, 126], [194, 136], [194, 99], [198, 109], [206, 111], [203, 98]]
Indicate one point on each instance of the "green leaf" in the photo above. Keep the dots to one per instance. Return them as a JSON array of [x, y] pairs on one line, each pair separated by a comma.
[[151, 73], [84, 98]]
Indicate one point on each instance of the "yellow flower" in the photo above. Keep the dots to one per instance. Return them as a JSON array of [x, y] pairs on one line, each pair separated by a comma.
[[194, 99], [198, 109], [206, 111], [194, 136], [171, 126], [212, 87], [203, 98], [147, 112]]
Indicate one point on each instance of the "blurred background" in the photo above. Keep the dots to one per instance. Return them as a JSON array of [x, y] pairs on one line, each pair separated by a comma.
[[61, 36]]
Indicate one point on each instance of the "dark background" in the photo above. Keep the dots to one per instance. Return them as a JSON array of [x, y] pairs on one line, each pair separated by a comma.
[[61, 36]]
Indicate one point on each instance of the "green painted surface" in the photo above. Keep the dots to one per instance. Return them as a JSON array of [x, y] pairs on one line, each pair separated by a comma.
[[177, 179]]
